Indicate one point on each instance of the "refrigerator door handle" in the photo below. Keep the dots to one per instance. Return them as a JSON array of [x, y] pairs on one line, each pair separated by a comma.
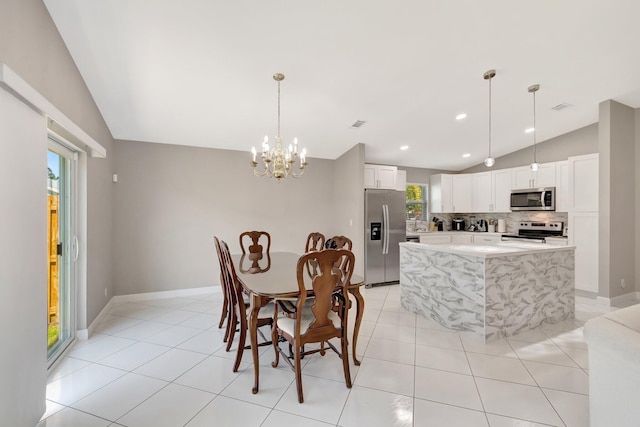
[[385, 229]]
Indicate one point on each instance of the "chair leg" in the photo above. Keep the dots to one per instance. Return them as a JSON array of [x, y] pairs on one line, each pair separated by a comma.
[[298, 373], [345, 361], [276, 348], [241, 340]]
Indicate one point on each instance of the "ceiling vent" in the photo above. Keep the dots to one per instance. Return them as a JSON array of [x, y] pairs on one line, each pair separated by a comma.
[[357, 124], [561, 106]]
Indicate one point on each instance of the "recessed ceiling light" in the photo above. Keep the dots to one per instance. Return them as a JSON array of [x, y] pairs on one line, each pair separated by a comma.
[[465, 155], [461, 116], [404, 147], [529, 130]]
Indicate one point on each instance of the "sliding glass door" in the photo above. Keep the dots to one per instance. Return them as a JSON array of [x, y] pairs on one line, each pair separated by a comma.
[[60, 248]]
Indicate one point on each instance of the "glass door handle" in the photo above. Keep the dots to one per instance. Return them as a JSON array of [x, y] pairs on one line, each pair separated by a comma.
[[76, 247]]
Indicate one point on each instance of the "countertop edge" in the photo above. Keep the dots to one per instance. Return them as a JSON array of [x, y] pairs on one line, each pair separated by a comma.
[[445, 247]]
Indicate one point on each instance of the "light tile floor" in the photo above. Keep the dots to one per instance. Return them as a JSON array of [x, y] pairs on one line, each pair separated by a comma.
[[162, 363]]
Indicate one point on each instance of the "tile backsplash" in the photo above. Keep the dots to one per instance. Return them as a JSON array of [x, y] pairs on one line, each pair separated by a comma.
[[513, 219]]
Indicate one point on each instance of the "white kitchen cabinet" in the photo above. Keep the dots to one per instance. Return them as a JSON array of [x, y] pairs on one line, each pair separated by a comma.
[[440, 193], [435, 238], [487, 238], [461, 193], [583, 183], [524, 177], [482, 192], [380, 176], [401, 180], [461, 238], [583, 234], [562, 186], [557, 241], [501, 187]]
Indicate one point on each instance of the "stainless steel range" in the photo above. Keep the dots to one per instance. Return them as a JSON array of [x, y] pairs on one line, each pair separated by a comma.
[[536, 231]]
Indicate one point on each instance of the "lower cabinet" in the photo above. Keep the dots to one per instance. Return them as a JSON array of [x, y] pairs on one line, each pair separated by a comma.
[[583, 234], [489, 239], [461, 238], [436, 238]]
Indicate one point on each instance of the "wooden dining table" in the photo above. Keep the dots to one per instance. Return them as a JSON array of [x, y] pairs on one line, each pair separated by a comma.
[[273, 276]]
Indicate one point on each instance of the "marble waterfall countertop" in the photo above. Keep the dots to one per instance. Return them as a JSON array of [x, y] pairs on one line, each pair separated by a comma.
[[490, 250], [494, 291]]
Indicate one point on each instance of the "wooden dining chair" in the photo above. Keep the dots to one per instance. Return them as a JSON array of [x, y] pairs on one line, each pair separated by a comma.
[[255, 247], [315, 242], [318, 322], [226, 311], [238, 305], [339, 242]]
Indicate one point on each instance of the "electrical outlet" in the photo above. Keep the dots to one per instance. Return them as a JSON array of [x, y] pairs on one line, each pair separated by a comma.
[[623, 284], [350, 223], [105, 292]]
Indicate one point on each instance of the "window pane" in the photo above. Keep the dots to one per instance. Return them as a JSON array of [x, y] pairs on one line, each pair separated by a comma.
[[416, 196]]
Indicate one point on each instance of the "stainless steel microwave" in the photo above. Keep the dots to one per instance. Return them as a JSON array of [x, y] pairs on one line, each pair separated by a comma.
[[534, 199]]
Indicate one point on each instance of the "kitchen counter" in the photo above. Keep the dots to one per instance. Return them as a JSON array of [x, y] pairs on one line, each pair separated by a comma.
[[494, 250], [494, 291]]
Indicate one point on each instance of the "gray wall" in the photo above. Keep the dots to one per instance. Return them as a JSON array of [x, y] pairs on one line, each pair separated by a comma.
[[617, 213], [31, 46], [421, 175], [637, 196], [575, 143], [348, 212], [171, 200], [23, 271]]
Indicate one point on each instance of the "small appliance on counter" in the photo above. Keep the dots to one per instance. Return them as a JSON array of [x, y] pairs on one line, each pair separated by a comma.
[[457, 224]]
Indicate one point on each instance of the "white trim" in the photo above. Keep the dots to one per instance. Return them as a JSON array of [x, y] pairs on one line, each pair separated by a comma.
[[620, 300], [167, 294], [25, 92], [84, 334]]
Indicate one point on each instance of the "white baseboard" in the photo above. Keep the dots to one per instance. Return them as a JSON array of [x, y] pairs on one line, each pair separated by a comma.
[[167, 294], [620, 300], [84, 334]]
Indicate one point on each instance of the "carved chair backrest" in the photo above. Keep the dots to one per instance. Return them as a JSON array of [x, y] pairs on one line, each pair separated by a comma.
[[326, 284], [255, 248]]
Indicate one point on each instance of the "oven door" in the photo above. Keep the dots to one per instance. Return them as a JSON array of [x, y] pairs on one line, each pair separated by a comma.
[[533, 199]]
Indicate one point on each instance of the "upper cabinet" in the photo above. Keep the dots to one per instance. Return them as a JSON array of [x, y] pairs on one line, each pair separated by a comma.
[[379, 176], [462, 193], [524, 177], [440, 193], [583, 183], [501, 190], [482, 192]]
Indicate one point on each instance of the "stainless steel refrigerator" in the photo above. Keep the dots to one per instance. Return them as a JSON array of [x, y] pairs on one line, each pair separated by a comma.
[[385, 228]]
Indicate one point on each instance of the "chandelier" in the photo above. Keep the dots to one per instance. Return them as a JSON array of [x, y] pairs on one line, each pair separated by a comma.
[[279, 162]]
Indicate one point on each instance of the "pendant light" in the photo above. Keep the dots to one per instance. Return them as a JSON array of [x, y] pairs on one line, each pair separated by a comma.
[[533, 89], [489, 161]]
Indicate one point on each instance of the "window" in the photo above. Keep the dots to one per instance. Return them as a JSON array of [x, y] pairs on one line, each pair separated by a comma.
[[416, 202]]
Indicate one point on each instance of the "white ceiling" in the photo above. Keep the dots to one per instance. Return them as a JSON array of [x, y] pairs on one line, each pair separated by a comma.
[[199, 72]]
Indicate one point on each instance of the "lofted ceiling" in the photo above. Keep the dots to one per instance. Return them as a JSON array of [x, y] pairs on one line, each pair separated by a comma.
[[199, 72]]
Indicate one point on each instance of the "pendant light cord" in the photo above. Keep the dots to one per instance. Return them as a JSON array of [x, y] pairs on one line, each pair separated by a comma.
[[534, 128], [490, 78]]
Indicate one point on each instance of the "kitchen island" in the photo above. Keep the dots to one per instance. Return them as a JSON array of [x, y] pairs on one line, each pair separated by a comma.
[[494, 291]]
